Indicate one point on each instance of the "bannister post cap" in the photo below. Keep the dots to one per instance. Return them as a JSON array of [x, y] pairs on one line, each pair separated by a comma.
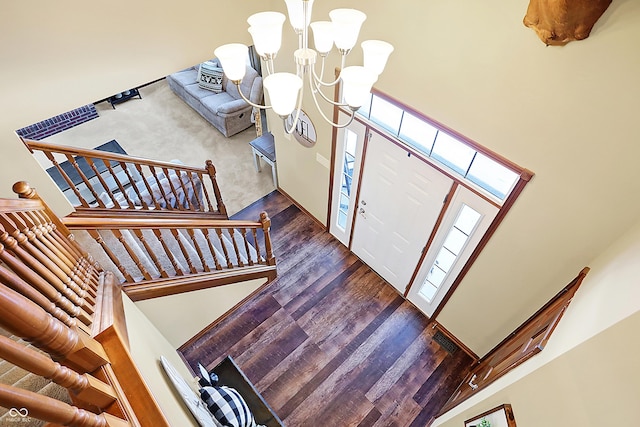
[[24, 190]]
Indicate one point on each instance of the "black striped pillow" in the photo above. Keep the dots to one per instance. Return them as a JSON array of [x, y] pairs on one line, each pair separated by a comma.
[[227, 406]]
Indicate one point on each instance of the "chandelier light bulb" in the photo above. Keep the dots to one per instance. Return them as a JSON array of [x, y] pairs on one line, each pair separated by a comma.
[[346, 27], [376, 53], [266, 32], [283, 90], [357, 82], [322, 36], [295, 9], [233, 58]]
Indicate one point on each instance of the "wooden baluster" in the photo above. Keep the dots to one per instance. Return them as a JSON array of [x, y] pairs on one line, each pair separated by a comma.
[[45, 408], [44, 255], [140, 235], [266, 225], [134, 185], [174, 192], [37, 239], [170, 256], [148, 187], [25, 191], [232, 236], [43, 234], [196, 193], [68, 180], [206, 194], [68, 288], [73, 162], [186, 204], [62, 295], [85, 387], [224, 247], [243, 232], [37, 290], [103, 183], [42, 218], [256, 245], [98, 238], [69, 346], [34, 219], [192, 235], [131, 253], [124, 193], [211, 248], [161, 188], [211, 170], [176, 236]]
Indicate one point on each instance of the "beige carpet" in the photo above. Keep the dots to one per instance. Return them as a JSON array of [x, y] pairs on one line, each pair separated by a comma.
[[161, 126]]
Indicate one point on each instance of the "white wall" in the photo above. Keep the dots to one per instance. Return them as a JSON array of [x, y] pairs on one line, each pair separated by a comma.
[[147, 345], [180, 317], [590, 363]]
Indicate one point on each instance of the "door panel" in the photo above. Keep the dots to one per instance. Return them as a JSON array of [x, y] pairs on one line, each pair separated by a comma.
[[400, 200]]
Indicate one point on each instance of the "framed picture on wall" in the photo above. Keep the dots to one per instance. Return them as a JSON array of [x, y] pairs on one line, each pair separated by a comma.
[[502, 416]]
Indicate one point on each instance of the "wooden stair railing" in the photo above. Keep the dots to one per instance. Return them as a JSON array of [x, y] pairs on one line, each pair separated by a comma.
[[107, 182], [160, 255], [184, 254], [55, 297]]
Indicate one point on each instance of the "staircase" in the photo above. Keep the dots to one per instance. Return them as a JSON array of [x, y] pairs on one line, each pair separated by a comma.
[[151, 229], [161, 227]]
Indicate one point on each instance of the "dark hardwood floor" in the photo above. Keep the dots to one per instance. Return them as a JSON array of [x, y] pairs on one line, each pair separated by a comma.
[[329, 342]]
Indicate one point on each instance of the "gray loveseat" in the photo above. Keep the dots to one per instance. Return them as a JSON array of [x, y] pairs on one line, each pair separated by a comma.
[[226, 110]]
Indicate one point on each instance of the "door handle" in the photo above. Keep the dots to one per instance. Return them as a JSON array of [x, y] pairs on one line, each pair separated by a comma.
[[362, 212], [471, 384]]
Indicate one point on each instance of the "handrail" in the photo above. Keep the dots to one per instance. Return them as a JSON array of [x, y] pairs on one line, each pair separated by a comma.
[[84, 152], [84, 223], [101, 179]]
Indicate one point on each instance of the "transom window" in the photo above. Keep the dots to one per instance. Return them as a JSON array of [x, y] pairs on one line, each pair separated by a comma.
[[454, 154]]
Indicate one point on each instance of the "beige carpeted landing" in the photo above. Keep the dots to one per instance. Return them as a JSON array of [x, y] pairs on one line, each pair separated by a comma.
[[161, 126]]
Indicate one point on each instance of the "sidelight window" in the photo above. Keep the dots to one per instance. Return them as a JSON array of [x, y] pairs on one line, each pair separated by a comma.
[[453, 245], [348, 163]]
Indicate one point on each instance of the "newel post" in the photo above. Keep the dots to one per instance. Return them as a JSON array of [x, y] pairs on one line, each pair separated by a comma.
[[266, 226], [211, 170]]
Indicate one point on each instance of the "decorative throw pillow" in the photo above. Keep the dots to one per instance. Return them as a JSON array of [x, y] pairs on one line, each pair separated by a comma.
[[227, 406], [210, 76], [207, 378]]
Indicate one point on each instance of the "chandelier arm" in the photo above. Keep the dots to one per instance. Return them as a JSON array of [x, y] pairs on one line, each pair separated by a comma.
[[319, 81], [295, 121], [315, 100], [262, 107], [325, 97]]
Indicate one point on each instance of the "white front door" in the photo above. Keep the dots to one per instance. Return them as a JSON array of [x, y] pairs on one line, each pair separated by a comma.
[[467, 219], [400, 200]]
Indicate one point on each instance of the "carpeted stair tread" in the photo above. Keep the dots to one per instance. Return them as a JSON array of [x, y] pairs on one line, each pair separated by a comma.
[[32, 382], [13, 375], [56, 392]]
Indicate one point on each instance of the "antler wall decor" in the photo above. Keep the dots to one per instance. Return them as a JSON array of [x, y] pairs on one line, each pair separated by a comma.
[[557, 22]]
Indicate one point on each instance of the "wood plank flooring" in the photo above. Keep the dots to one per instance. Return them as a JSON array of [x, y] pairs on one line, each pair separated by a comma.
[[329, 342]]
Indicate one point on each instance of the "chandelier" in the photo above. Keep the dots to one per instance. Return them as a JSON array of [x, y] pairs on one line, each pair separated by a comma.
[[286, 89]]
